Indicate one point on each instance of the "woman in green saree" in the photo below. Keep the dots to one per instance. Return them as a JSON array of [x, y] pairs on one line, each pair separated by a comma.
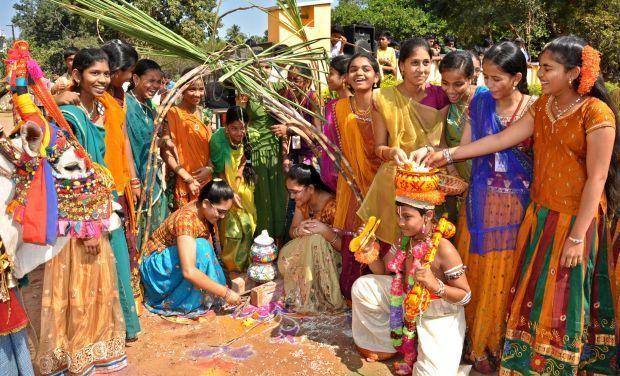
[[230, 155], [146, 81]]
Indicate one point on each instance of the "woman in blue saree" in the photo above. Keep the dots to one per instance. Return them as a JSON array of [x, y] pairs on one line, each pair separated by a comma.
[[180, 271]]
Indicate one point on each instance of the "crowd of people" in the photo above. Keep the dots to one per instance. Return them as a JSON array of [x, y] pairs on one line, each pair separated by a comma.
[[528, 285]]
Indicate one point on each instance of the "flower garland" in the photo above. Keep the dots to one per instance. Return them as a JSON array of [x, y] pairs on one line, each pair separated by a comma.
[[406, 307], [590, 69]]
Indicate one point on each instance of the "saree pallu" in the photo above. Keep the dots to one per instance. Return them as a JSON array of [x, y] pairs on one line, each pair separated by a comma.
[[356, 141], [236, 230], [561, 320], [310, 267], [140, 128], [82, 327], [191, 137], [410, 125], [168, 293]]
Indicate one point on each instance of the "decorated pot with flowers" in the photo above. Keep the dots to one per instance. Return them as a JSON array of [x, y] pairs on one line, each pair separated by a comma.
[[263, 253]]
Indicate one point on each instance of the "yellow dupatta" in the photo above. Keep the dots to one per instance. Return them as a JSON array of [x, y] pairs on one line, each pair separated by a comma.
[[410, 126], [357, 145]]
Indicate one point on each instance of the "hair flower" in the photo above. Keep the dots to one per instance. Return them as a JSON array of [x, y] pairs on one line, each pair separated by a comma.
[[590, 69]]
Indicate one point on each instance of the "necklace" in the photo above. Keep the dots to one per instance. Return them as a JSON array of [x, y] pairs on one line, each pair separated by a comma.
[[509, 121], [142, 106], [91, 114], [363, 115], [559, 112]]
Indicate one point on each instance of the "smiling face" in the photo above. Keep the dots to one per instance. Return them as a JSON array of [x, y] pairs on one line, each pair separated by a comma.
[[194, 93], [361, 75], [147, 85], [417, 67], [455, 84], [95, 79], [553, 76], [235, 132], [500, 83]]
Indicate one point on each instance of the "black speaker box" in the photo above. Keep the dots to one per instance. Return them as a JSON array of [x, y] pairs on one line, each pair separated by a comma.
[[218, 96], [362, 38]]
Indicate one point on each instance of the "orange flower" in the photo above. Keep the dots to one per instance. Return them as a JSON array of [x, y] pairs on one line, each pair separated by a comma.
[[590, 69]]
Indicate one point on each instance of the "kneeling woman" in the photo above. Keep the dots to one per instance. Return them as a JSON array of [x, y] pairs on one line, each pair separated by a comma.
[[180, 271], [310, 263]]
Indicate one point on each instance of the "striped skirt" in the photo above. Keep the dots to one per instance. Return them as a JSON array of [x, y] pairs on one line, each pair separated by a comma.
[[560, 320]]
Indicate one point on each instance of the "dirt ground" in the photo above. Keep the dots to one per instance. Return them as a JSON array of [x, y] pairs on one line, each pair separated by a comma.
[[222, 345]]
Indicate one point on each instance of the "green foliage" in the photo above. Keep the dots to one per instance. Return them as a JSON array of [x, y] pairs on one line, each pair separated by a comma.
[[402, 18], [50, 28], [535, 89], [470, 21], [235, 36], [190, 19]]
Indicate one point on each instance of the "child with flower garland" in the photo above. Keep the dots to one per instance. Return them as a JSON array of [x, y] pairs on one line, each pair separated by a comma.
[[417, 309]]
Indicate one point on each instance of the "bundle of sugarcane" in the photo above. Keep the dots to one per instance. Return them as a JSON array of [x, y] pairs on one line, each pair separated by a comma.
[[243, 72]]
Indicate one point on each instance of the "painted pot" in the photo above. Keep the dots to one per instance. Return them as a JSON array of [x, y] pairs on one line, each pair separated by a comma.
[[262, 272]]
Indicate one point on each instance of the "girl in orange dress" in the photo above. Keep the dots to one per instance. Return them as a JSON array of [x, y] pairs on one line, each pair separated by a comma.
[[495, 204], [561, 306], [189, 157]]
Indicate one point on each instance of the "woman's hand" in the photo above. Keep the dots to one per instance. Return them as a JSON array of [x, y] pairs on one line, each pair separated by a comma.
[[92, 246], [194, 187], [417, 156], [279, 130], [426, 277], [435, 159], [572, 254], [67, 97], [203, 174], [237, 201], [136, 192], [316, 227], [232, 298], [399, 156]]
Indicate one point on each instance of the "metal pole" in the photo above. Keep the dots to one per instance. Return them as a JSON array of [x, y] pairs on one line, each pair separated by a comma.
[[12, 30]]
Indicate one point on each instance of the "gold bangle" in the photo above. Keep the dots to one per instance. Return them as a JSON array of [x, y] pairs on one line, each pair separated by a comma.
[[334, 239]]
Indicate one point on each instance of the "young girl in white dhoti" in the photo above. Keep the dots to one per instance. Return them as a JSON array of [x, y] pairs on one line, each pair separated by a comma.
[[418, 309]]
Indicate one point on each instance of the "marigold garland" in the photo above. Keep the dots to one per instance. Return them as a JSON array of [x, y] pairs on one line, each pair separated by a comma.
[[590, 69], [368, 257], [406, 307]]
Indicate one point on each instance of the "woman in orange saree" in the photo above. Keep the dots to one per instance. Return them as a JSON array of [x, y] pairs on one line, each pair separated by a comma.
[[191, 137], [355, 138]]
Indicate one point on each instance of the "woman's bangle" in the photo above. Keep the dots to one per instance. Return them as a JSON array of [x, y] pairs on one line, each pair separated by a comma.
[[575, 241], [333, 241], [447, 156], [296, 232], [442, 288], [227, 294]]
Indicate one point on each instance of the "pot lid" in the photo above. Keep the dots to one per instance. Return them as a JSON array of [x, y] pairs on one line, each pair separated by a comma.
[[263, 238]]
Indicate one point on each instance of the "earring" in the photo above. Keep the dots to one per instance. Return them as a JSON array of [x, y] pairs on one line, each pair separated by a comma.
[[570, 82]]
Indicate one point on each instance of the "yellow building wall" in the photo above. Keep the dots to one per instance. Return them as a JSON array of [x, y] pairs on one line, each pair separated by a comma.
[[317, 19]]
